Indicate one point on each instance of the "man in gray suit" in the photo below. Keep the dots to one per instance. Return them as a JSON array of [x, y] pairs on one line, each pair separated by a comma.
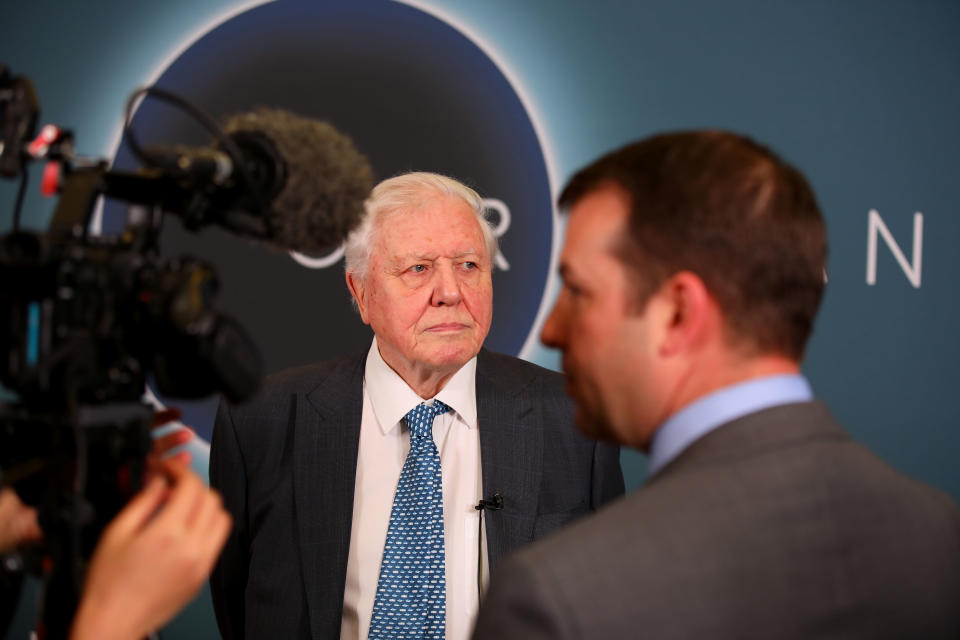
[[692, 271], [309, 469]]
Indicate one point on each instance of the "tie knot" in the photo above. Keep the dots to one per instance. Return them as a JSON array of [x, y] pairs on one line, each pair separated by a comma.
[[420, 419]]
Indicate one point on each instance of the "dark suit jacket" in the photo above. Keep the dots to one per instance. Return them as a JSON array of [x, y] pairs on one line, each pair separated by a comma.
[[286, 461], [776, 525]]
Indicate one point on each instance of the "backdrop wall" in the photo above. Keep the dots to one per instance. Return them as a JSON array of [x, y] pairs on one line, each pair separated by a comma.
[[513, 97]]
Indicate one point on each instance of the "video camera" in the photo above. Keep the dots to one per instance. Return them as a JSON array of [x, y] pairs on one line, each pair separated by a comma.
[[87, 320]]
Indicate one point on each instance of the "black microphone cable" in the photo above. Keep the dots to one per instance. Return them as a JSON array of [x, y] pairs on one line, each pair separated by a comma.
[[201, 117], [494, 504]]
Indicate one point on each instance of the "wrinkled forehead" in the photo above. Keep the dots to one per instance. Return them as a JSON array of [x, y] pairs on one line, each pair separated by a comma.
[[442, 225]]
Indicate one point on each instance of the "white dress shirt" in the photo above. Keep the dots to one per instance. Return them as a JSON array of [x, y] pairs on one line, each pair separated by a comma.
[[384, 444]]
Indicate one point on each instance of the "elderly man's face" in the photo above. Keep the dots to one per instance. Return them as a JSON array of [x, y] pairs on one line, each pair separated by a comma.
[[428, 294]]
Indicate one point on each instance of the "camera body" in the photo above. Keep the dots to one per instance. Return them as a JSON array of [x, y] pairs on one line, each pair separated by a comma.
[[86, 322]]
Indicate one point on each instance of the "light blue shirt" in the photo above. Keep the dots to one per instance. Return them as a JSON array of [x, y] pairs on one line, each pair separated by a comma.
[[720, 407]]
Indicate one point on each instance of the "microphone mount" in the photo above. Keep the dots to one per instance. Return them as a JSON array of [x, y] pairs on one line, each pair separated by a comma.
[[493, 504]]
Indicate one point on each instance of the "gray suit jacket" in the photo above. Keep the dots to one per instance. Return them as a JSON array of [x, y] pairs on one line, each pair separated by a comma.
[[285, 463], [776, 525]]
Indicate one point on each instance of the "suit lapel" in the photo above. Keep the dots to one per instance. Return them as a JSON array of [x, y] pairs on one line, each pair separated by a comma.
[[511, 451], [326, 441]]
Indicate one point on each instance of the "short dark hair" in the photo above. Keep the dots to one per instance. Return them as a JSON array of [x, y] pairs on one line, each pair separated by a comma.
[[731, 211]]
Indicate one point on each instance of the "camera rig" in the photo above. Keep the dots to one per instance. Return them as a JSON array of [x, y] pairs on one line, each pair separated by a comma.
[[87, 320]]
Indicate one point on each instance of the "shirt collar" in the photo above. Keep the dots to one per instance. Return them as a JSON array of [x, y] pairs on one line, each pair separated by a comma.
[[720, 407], [392, 398]]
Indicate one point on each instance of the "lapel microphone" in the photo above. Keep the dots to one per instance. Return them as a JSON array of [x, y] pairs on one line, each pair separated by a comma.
[[493, 504]]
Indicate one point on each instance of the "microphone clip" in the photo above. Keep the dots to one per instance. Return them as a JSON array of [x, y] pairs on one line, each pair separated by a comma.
[[493, 504]]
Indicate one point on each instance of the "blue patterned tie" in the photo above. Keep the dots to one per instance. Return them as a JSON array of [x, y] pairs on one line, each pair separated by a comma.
[[411, 597]]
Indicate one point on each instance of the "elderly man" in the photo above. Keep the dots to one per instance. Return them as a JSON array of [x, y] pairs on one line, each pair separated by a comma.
[[354, 484], [692, 271]]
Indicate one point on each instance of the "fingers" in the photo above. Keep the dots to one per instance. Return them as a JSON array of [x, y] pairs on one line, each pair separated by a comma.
[[195, 517], [186, 496], [173, 439], [29, 528], [18, 522], [146, 568], [164, 444], [181, 457], [190, 497], [173, 471], [139, 510], [208, 533], [163, 416]]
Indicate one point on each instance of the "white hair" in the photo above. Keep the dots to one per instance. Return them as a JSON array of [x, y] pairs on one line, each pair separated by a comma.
[[401, 194]]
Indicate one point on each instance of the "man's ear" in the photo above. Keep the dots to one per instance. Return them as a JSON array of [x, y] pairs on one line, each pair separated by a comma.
[[692, 317], [357, 290]]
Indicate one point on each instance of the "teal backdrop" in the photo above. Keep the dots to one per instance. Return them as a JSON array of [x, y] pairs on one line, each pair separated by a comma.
[[862, 96]]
